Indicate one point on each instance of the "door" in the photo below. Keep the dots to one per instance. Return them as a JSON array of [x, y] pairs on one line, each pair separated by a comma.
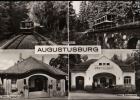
[[38, 84], [80, 83], [103, 82]]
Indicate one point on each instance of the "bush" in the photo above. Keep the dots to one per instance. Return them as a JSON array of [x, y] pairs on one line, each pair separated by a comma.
[[2, 90], [73, 88], [88, 88]]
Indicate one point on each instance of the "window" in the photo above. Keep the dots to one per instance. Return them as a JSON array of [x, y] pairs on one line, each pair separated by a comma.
[[13, 85], [108, 63], [58, 86], [127, 80], [100, 63], [109, 17], [13, 81], [104, 63]]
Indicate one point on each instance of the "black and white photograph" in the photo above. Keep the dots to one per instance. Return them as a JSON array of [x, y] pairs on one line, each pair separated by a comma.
[[111, 24], [109, 75], [69, 50], [24, 75], [25, 24]]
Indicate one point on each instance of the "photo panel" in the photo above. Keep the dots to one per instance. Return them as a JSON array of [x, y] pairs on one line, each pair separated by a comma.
[[111, 24], [24, 75], [109, 75], [25, 24]]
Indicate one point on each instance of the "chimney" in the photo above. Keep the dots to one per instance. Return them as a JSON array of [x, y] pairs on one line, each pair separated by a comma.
[[20, 57], [42, 58]]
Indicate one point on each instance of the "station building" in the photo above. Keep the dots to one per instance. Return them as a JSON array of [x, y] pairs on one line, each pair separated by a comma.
[[33, 78], [104, 73]]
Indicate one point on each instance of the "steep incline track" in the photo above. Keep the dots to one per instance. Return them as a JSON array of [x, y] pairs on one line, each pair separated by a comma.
[[27, 42]]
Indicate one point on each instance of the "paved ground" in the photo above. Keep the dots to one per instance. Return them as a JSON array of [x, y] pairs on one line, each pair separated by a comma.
[[51, 98], [86, 96]]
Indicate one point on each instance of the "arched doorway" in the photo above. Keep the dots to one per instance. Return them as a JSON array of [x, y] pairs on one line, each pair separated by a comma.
[[104, 80], [38, 83], [132, 43], [79, 83]]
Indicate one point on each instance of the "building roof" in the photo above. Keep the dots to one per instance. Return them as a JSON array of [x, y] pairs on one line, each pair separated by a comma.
[[1, 71], [30, 64], [85, 65]]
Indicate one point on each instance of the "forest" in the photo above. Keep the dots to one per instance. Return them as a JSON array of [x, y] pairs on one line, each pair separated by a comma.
[[50, 18], [91, 10]]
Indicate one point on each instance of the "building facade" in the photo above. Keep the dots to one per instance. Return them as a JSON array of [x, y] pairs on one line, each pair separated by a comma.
[[102, 73], [32, 77]]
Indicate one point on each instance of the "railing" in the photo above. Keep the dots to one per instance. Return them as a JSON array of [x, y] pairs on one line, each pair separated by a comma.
[[118, 24]]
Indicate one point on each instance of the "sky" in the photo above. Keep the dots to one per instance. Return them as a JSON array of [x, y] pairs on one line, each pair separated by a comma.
[[9, 57], [110, 52], [76, 6]]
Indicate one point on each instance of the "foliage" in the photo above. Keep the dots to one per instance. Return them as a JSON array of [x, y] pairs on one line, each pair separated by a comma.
[[61, 62], [130, 60], [91, 10], [88, 88], [51, 14], [12, 13], [2, 90]]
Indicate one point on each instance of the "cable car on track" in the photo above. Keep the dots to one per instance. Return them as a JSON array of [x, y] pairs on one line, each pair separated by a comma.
[[27, 27]]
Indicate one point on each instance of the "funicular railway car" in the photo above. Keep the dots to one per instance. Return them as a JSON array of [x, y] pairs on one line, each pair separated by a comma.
[[104, 22], [27, 27]]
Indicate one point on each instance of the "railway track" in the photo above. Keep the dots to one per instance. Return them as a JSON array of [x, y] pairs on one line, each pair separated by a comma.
[[27, 42], [14, 43], [41, 41]]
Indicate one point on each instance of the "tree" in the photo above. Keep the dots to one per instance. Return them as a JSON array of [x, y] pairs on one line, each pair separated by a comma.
[[51, 14], [72, 16], [17, 11], [11, 14], [61, 62]]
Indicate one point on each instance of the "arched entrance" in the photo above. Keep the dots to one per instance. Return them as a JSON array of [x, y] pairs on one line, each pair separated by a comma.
[[79, 83], [38, 83], [104, 80], [132, 43]]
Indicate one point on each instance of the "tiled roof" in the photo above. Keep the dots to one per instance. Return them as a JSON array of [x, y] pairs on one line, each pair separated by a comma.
[[31, 64], [1, 71], [127, 69], [85, 65]]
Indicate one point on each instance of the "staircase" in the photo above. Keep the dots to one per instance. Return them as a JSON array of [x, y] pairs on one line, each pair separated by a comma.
[[38, 94]]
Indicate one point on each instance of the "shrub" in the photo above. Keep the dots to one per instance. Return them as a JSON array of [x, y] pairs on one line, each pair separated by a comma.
[[73, 88], [88, 88], [2, 90]]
